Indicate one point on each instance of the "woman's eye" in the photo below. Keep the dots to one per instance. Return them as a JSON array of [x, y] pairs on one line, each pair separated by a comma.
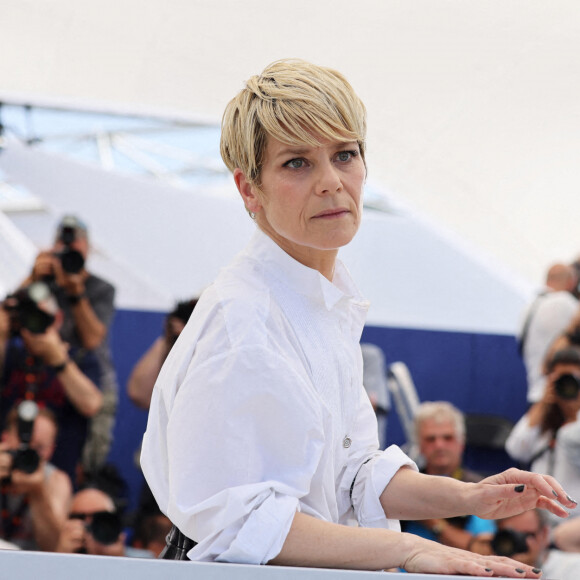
[[346, 155], [295, 163]]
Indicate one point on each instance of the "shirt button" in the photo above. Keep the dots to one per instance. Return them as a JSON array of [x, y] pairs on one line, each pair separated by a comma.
[[346, 442]]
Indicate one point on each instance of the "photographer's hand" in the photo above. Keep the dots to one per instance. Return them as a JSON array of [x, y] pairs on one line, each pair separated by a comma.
[[537, 411], [83, 394], [72, 538], [74, 284], [45, 266], [48, 345], [5, 461], [91, 330]]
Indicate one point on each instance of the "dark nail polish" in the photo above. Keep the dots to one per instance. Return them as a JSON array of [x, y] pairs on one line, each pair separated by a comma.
[[520, 571], [488, 570], [536, 570], [554, 493], [519, 488], [570, 499]]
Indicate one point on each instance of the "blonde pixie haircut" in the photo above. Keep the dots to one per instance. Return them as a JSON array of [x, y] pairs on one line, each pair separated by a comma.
[[295, 102]]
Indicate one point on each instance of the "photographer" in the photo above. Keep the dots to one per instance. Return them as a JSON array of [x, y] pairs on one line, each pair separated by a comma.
[[39, 365], [144, 373], [548, 435], [34, 494], [94, 527], [526, 538], [87, 303]]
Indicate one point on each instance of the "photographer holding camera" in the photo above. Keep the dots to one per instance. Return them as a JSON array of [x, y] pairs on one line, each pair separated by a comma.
[[526, 538], [87, 303], [95, 527], [145, 372], [548, 435], [38, 365], [34, 494]]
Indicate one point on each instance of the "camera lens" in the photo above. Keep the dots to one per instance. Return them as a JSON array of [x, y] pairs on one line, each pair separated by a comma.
[[72, 261], [509, 542], [26, 460], [35, 321], [567, 386], [105, 527]]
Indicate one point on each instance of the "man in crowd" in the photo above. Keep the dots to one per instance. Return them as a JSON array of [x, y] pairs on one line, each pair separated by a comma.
[[37, 364], [440, 435], [526, 538], [34, 494], [94, 527], [546, 318], [87, 303]]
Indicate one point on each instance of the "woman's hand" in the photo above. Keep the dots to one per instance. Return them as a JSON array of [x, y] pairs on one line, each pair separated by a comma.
[[514, 491], [434, 558]]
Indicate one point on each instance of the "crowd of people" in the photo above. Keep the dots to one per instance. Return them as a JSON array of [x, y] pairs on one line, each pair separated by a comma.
[[281, 330], [58, 406]]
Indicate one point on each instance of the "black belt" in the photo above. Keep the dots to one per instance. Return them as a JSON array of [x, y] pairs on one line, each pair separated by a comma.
[[177, 546]]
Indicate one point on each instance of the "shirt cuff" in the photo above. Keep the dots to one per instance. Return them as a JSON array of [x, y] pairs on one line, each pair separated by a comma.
[[370, 483], [261, 537]]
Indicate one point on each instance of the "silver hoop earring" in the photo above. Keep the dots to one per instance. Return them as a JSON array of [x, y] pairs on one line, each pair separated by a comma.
[[252, 214]]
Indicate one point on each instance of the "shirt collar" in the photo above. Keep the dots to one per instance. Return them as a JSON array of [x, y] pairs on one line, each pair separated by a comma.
[[301, 278]]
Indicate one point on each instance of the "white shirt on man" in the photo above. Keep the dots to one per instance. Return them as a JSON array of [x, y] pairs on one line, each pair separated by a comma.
[[259, 411], [549, 314]]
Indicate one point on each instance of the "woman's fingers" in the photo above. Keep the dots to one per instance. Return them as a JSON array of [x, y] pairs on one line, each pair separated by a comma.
[[560, 493]]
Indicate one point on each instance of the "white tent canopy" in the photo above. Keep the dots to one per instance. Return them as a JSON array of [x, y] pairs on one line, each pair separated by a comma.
[[473, 106]]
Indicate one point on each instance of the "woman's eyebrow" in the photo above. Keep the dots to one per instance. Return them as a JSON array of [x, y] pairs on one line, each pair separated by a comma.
[[291, 151]]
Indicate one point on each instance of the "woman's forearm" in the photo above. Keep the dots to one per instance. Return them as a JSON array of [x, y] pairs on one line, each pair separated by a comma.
[[411, 495], [316, 543], [415, 496], [319, 544]]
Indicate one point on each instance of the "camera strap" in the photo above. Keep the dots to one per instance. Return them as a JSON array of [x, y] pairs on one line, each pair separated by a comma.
[[32, 367], [526, 328], [551, 458]]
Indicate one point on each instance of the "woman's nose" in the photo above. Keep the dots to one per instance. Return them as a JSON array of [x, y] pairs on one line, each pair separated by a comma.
[[329, 181]]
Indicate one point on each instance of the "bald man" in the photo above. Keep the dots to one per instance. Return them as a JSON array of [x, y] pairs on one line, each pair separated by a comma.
[[546, 318]]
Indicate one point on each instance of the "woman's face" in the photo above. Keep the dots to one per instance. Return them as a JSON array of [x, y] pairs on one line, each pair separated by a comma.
[[310, 200]]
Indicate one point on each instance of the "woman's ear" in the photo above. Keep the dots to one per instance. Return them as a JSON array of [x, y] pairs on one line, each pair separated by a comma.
[[247, 191]]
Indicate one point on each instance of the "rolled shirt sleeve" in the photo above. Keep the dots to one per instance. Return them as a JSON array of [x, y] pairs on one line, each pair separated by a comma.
[[371, 480]]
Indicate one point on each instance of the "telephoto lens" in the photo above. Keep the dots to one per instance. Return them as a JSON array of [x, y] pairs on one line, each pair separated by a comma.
[[105, 527]]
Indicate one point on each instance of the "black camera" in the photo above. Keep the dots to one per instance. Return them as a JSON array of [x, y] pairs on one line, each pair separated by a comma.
[[25, 458], [72, 261], [105, 527], [24, 309], [509, 542], [182, 311], [567, 386]]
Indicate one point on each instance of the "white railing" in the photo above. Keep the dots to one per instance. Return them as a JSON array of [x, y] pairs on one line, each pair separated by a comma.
[[46, 566]]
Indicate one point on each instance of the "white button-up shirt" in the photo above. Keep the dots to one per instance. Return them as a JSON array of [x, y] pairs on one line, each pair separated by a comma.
[[259, 411]]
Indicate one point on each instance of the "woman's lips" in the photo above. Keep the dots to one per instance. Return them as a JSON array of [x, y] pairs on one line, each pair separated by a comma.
[[332, 213]]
